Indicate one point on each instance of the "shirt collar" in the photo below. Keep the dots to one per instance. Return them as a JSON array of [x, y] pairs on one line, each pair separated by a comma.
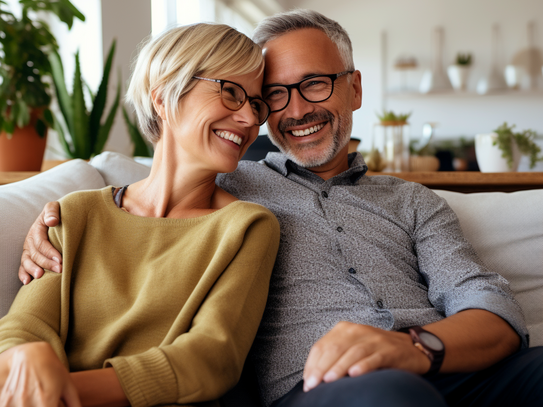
[[283, 165]]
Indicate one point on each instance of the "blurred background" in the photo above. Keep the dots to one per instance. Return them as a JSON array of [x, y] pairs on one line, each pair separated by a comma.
[[401, 47]]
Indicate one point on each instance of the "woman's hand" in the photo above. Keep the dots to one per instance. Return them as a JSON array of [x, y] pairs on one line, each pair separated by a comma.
[[36, 378]]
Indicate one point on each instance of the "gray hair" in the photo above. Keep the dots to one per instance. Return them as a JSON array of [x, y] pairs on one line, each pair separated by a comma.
[[279, 24]]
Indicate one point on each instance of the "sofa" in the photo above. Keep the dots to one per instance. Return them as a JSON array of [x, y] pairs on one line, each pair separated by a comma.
[[506, 229]]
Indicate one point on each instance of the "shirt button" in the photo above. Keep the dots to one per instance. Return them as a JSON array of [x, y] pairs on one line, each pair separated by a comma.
[[324, 194], [352, 271], [339, 229], [380, 304]]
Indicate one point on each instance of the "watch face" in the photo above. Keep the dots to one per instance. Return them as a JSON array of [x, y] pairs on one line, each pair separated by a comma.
[[431, 341]]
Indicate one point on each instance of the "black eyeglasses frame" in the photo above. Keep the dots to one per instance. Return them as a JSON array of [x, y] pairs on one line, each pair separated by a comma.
[[296, 86], [247, 97]]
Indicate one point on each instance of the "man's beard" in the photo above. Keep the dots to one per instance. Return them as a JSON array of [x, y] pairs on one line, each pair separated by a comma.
[[339, 139]]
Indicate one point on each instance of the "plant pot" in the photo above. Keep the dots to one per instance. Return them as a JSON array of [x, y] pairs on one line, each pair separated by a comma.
[[489, 156], [23, 151], [458, 75], [423, 163]]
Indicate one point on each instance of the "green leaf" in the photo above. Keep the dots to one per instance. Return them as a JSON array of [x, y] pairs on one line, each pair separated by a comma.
[[103, 134], [62, 138], [23, 114], [63, 97], [141, 148], [101, 98], [41, 128], [80, 136]]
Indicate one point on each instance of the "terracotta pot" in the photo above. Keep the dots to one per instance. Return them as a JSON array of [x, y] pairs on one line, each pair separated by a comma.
[[23, 151]]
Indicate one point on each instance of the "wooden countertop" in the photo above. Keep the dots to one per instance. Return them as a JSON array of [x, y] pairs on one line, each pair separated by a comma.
[[460, 181], [473, 181]]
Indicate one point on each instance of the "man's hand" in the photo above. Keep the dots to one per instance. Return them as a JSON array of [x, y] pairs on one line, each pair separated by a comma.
[[354, 349], [36, 378], [38, 253]]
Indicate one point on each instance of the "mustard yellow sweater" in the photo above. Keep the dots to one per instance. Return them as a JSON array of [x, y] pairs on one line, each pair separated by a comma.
[[173, 305]]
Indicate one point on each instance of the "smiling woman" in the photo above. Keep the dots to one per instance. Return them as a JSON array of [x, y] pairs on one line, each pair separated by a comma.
[[164, 281]]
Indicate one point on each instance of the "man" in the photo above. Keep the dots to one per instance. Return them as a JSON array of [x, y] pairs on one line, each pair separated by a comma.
[[361, 259]]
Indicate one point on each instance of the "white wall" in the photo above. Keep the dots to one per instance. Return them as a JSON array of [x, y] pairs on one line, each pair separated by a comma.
[[467, 25]]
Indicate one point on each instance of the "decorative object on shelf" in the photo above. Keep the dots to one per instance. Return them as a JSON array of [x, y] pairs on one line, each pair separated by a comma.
[[25, 43], [142, 148], [87, 134], [495, 81], [501, 150], [436, 80], [513, 76], [390, 143], [422, 156], [459, 72], [530, 59], [404, 64]]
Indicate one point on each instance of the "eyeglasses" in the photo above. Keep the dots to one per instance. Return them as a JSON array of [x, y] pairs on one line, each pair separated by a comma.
[[315, 89], [233, 97]]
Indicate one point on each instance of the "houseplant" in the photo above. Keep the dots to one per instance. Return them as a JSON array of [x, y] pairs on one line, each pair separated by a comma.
[[500, 151], [25, 97], [390, 143], [459, 72], [87, 133]]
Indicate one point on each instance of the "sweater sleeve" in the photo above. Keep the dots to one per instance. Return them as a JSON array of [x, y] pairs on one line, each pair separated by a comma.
[[203, 363], [35, 314]]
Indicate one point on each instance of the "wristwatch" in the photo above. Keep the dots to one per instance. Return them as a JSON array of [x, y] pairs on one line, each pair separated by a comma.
[[430, 345]]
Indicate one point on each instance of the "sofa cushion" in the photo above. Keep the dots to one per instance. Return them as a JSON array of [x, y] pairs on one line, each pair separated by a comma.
[[506, 230], [21, 203], [118, 169]]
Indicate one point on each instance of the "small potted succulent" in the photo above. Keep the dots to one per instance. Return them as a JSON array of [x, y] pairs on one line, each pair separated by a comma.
[[501, 150], [390, 143], [459, 72]]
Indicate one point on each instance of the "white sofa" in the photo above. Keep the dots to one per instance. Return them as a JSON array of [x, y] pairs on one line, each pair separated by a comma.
[[506, 229]]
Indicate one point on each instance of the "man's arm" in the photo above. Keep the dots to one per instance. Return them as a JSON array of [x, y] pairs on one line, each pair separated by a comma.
[[38, 253], [474, 339]]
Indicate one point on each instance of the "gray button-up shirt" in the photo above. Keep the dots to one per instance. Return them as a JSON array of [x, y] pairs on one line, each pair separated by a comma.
[[373, 250]]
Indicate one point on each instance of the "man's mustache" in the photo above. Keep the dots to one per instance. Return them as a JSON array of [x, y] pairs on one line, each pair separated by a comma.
[[323, 115]]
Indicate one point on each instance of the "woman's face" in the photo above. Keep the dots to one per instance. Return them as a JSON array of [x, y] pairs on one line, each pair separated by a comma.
[[209, 133]]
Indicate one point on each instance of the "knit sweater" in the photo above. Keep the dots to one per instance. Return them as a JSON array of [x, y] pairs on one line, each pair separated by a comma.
[[172, 305]]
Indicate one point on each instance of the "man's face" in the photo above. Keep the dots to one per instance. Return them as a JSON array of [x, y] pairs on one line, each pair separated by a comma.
[[311, 134]]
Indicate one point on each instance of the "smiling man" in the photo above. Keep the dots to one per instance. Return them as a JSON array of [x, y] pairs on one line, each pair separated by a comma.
[[376, 298]]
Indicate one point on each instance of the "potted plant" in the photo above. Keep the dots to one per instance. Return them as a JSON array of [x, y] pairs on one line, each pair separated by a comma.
[[501, 150], [459, 72], [87, 133], [390, 143], [25, 43]]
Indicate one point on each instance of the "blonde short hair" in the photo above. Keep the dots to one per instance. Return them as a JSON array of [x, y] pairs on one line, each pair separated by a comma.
[[167, 64]]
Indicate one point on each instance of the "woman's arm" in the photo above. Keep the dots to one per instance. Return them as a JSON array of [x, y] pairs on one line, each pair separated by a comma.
[[99, 387]]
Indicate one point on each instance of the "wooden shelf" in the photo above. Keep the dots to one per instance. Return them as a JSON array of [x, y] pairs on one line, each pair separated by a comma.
[[15, 176], [473, 181]]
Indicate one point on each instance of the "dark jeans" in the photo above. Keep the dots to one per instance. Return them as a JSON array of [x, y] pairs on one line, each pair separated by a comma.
[[516, 381]]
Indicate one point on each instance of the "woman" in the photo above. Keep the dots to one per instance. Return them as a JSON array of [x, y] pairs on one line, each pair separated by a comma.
[[164, 281]]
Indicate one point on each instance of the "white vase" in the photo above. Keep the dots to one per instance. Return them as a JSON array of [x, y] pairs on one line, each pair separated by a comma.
[[489, 156], [458, 75]]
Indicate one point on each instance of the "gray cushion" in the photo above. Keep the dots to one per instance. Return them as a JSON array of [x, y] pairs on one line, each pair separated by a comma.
[[20, 205], [506, 230], [119, 170]]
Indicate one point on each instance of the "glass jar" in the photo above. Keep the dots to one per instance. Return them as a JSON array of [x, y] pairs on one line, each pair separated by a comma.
[[390, 147]]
